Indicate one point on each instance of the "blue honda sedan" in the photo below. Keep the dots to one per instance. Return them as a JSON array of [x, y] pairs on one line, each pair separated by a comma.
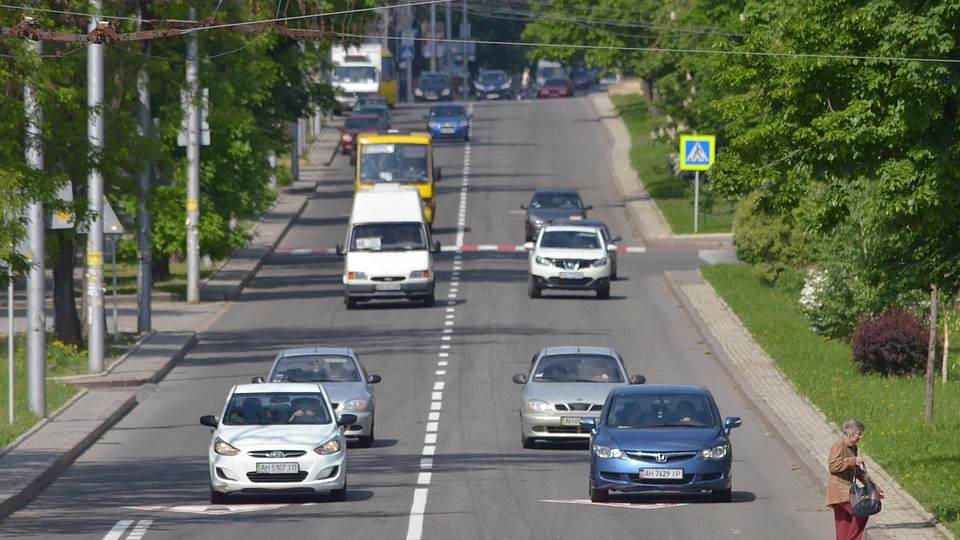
[[660, 438], [448, 122]]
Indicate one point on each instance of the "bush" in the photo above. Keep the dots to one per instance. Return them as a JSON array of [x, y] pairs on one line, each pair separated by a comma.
[[766, 240], [893, 344]]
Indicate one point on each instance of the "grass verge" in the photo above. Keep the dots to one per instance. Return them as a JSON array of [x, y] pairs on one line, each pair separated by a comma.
[[175, 284], [651, 159], [924, 459], [61, 360]]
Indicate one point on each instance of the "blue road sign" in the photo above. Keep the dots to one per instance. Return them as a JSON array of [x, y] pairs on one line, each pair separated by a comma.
[[696, 152], [406, 52]]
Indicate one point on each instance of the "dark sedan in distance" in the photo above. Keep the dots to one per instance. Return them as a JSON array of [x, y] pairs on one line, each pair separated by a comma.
[[550, 205], [493, 84], [433, 86], [661, 437]]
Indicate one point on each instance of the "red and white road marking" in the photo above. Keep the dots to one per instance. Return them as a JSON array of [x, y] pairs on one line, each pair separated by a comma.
[[509, 248], [214, 509], [616, 504]]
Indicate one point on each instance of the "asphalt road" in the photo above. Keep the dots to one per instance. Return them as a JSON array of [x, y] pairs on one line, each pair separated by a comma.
[[447, 420]]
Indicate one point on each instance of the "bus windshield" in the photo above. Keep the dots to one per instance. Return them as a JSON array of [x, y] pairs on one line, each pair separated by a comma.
[[394, 162]]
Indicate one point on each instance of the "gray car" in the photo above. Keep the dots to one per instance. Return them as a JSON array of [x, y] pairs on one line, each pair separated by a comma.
[[564, 385], [343, 377], [550, 205]]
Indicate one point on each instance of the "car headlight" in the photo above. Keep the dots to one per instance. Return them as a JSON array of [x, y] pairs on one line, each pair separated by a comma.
[[544, 261], [600, 262], [607, 452], [355, 405], [418, 92], [224, 448], [464, 123], [433, 124], [346, 137], [536, 222], [717, 452], [446, 92], [420, 274], [505, 85], [330, 447], [356, 275], [535, 405]]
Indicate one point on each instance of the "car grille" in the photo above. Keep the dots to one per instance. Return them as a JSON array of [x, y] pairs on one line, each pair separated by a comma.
[[387, 278], [561, 281], [578, 407], [567, 430], [272, 478], [651, 457], [573, 264], [286, 453]]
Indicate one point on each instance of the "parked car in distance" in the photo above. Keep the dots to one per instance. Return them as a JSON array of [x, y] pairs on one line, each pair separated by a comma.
[[608, 238], [555, 88], [580, 79], [569, 257], [277, 438], [343, 377], [380, 111], [493, 84], [353, 125], [433, 86], [660, 438], [564, 386], [549, 205], [372, 100], [448, 122]]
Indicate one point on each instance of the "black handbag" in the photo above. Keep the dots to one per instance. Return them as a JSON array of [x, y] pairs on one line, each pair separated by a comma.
[[864, 497]]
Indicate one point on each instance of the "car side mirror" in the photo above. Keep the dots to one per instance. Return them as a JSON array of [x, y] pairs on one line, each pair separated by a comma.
[[731, 422], [528, 246], [520, 378], [616, 239], [374, 379], [209, 420], [588, 422], [347, 419], [638, 379], [585, 208], [340, 251], [524, 206], [257, 380], [435, 247], [612, 247]]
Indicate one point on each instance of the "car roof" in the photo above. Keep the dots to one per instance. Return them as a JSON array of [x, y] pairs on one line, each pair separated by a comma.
[[260, 388], [412, 137], [664, 389], [570, 227], [372, 107], [577, 349], [581, 222], [448, 106], [305, 351]]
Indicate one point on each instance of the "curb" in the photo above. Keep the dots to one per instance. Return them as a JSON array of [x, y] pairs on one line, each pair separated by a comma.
[[104, 380]]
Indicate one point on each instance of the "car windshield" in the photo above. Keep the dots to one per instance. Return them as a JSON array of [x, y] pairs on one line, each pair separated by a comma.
[[555, 82], [434, 81], [568, 368], [372, 109], [315, 368], [276, 408], [361, 123], [492, 77], [660, 411], [348, 74], [394, 162], [403, 236], [570, 240], [556, 200], [447, 112]]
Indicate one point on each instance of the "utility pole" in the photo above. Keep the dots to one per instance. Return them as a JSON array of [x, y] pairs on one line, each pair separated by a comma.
[[464, 35], [95, 131], [36, 293], [144, 218], [193, 168], [433, 36], [447, 34], [295, 150]]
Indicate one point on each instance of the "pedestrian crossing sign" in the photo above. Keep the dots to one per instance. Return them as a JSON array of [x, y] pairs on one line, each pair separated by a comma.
[[696, 152]]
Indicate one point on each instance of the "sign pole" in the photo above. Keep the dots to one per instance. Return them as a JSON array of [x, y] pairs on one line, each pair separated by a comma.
[[113, 257], [10, 344], [696, 199]]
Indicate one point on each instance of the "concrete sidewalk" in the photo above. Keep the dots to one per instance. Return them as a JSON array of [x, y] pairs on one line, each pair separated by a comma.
[[39, 456], [799, 425]]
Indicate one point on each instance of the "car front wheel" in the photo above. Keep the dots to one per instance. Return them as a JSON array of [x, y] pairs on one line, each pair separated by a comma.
[[603, 293], [217, 497], [532, 289], [527, 442], [599, 495]]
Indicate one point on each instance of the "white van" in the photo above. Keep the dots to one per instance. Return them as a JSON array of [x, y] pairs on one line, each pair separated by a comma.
[[388, 250]]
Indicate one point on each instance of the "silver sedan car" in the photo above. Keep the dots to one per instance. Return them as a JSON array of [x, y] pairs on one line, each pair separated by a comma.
[[342, 376], [564, 385]]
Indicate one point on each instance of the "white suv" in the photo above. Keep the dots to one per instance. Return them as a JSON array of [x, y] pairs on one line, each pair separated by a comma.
[[569, 257]]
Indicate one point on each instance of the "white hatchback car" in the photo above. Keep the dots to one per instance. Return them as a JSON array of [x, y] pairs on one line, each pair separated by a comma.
[[570, 257], [277, 438]]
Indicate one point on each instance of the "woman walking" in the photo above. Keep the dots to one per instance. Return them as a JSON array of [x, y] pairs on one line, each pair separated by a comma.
[[844, 465]]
